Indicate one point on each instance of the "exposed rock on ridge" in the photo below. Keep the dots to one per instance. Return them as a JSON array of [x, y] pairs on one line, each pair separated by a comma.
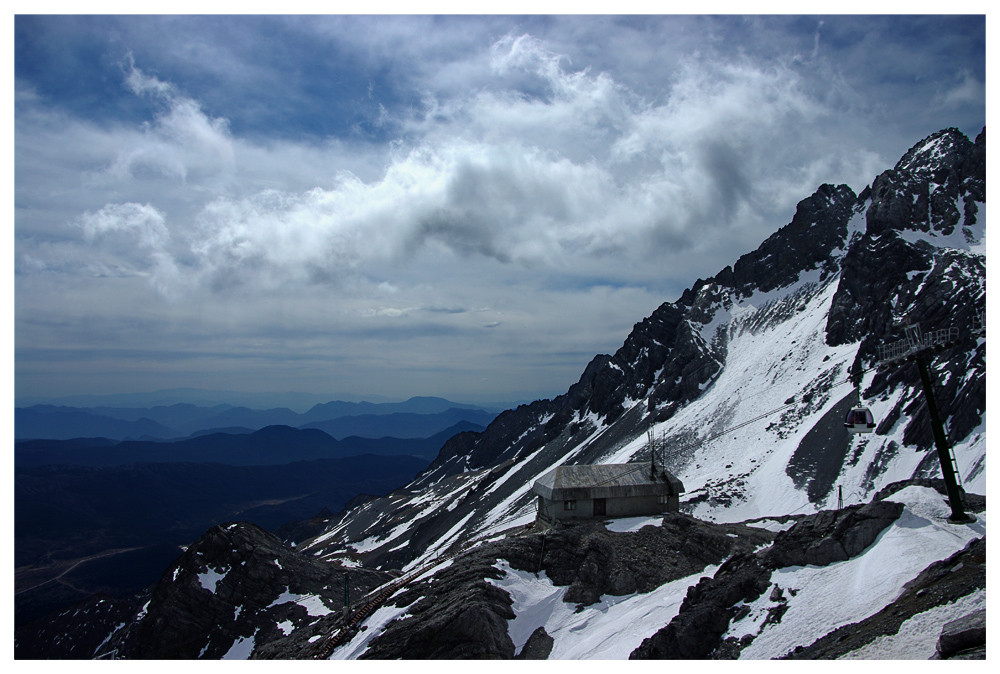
[[673, 356], [237, 583]]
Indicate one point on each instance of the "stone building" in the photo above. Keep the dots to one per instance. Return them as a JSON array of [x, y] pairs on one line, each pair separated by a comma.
[[605, 490]]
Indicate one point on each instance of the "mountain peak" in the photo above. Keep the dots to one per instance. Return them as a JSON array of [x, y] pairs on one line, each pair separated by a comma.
[[940, 150], [933, 188]]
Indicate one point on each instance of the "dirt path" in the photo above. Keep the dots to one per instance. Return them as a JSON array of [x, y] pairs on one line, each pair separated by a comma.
[[53, 567]]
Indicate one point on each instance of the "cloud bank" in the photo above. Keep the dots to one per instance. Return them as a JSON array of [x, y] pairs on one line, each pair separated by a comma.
[[575, 172], [508, 192]]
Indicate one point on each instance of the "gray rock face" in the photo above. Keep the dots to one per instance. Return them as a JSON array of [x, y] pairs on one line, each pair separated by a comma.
[[886, 275], [79, 632], [962, 634], [593, 561], [537, 647], [237, 582], [696, 631], [710, 606], [458, 614], [831, 535]]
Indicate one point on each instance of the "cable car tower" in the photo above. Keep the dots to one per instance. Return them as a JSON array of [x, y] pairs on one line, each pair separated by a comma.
[[920, 348]]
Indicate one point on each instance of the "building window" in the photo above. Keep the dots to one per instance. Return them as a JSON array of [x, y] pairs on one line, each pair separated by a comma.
[[663, 499], [569, 505]]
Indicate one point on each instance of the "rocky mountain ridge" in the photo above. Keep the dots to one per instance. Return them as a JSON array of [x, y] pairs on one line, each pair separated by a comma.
[[808, 308]]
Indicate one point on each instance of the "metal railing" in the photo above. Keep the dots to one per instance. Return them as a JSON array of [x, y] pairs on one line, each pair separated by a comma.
[[915, 342]]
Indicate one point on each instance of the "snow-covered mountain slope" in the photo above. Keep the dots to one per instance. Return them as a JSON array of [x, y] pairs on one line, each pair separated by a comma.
[[744, 381], [742, 384], [846, 571]]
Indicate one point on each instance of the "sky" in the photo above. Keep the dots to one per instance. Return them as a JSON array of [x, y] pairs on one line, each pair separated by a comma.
[[390, 205]]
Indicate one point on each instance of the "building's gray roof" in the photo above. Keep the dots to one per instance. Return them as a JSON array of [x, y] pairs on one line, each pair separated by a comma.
[[608, 480]]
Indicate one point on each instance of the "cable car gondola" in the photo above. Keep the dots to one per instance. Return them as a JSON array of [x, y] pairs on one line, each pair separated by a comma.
[[860, 420]]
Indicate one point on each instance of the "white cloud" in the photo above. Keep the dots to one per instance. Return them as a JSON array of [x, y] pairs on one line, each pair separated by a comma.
[[573, 174], [968, 90], [140, 83], [143, 219], [527, 213], [560, 179], [182, 141]]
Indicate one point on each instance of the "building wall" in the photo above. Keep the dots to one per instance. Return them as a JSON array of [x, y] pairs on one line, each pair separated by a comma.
[[629, 506], [555, 510], [639, 505]]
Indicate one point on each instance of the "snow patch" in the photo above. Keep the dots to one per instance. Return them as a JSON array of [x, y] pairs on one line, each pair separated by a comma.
[[970, 238], [771, 525], [608, 630], [313, 604], [210, 579], [633, 523], [241, 648], [916, 638], [374, 625], [845, 592]]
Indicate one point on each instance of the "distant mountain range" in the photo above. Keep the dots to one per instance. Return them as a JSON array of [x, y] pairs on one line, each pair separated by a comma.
[[103, 514], [271, 445], [418, 417]]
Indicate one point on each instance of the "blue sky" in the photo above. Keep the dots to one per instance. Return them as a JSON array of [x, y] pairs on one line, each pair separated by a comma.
[[464, 206]]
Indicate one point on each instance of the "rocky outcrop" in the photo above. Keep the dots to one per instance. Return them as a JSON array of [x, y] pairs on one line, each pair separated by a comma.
[[710, 606], [809, 241], [923, 188], [238, 583], [537, 647], [593, 561], [458, 613], [77, 633], [696, 632], [940, 583], [831, 535], [963, 638], [889, 273]]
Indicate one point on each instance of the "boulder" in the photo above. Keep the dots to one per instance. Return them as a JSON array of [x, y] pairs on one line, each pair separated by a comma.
[[962, 634], [537, 647], [831, 535]]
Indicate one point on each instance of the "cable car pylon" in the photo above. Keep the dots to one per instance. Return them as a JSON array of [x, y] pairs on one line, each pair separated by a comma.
[[920, 348]]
